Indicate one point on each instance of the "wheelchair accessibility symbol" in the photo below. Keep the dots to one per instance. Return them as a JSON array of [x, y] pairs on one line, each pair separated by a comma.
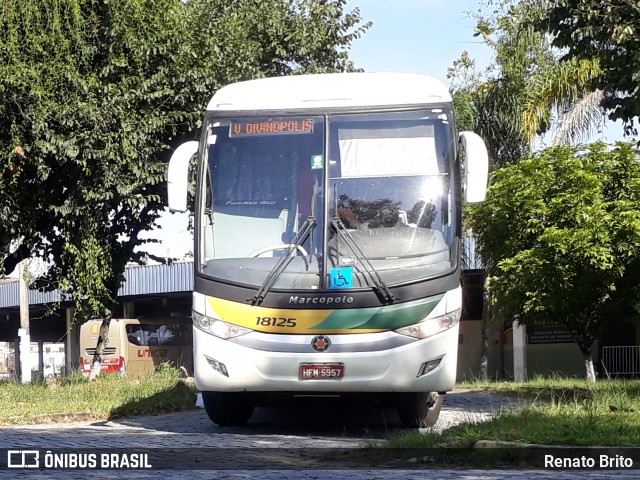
[[341, 277]]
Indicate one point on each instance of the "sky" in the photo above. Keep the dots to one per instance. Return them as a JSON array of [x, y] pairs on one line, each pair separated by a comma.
[[414, 36], [417, 36]]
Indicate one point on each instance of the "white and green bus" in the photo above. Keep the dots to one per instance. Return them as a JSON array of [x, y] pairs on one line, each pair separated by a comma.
[[327, 240]]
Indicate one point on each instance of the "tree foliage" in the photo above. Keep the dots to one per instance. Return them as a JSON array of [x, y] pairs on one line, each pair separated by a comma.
[[526, 91], [499, 95], [94, 94], [572, 252], [607, 31]]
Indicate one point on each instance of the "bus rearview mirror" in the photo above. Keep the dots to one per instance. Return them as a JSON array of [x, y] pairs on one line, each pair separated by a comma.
[[178, 176], [476, 167]]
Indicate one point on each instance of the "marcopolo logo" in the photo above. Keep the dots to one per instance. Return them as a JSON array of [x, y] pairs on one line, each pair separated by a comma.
[[331, 300], [321, 343]]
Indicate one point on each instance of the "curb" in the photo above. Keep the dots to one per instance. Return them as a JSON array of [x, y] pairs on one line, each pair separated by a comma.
[[489, 444], [507, 454]]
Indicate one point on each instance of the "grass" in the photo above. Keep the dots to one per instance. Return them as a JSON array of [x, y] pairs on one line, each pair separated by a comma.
[[564, 412], [74, 398], [556, 412]]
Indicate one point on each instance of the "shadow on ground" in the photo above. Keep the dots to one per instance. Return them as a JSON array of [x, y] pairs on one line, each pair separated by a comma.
[[332, 416]]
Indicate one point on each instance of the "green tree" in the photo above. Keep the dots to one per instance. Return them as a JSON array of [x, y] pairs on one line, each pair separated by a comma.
[[493, 104], [572, 254], [525, 93], [606, 31], [559, 98], [94, 94]]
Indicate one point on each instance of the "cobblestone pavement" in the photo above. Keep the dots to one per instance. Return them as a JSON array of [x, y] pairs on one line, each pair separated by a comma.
[[325, 425]]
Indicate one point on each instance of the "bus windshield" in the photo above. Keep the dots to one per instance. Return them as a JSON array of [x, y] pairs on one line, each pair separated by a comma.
[[376, 188]]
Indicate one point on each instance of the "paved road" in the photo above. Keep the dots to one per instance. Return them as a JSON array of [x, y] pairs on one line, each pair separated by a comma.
[[327, 427]]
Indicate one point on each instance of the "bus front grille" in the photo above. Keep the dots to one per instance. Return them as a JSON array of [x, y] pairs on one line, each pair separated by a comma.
[[107, 351]]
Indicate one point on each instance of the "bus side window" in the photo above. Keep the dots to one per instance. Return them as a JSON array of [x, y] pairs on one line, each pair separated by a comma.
[[165, 335], [135, 334]]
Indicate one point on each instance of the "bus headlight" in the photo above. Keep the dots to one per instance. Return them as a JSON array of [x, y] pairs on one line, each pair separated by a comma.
[[217, 327], [431, 326]]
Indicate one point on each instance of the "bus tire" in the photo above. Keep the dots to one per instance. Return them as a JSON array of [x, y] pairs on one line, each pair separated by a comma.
[[228, 408], [419, 410]]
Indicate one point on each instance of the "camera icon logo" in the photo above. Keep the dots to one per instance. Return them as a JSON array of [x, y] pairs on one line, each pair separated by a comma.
[[23, 459]]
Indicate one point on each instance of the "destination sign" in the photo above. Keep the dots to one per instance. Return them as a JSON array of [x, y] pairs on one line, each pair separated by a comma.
[[280, 126]]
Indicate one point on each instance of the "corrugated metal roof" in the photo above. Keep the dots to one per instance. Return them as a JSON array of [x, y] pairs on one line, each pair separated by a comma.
[[10, 295], [139, 280], [149, 279], [154, 279]]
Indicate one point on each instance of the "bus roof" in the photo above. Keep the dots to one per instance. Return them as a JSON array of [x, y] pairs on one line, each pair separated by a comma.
[[332, 90]]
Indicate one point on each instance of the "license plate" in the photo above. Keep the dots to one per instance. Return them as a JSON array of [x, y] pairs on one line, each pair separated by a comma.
[[321, 371]]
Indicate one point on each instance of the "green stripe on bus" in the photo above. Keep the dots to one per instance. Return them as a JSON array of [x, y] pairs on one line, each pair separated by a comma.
[[388, 317]]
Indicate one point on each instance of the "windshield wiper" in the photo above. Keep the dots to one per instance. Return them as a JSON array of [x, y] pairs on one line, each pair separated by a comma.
[[380, 288], [302, 235], [305, 230]]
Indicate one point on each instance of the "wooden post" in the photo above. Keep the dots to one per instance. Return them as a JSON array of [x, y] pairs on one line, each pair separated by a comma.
[[129, 309], [72, 344], [17, 371], [41, 357]]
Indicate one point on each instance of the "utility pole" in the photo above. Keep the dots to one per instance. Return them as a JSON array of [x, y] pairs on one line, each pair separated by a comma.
[[23, 332]]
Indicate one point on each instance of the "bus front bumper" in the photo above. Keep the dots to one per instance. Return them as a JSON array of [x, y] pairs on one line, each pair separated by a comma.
[[427, 365]]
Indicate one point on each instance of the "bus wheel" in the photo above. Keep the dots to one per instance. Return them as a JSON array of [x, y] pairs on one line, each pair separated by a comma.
[[227, 408], [419, 410]]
